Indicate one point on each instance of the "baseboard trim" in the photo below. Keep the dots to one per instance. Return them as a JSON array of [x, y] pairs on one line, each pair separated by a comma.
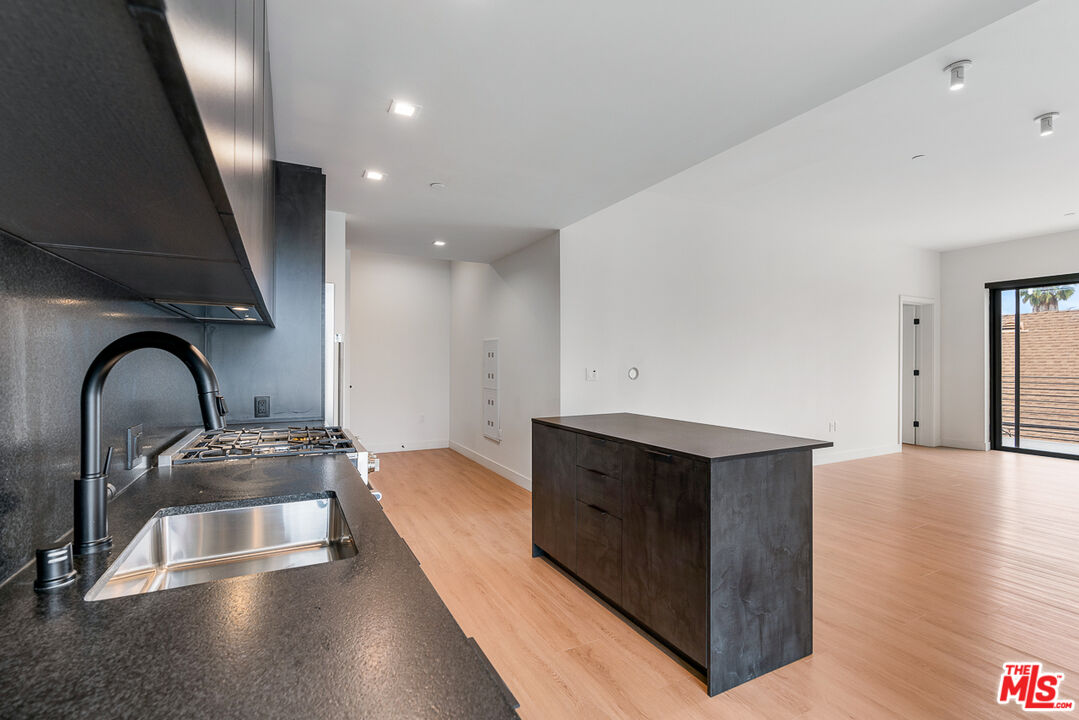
[[966, 444], [397, 447], [820, 457], [830, 455], [511, 475]]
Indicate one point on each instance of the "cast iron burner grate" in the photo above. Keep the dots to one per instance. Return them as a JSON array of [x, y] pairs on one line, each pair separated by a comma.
[[230, 444]]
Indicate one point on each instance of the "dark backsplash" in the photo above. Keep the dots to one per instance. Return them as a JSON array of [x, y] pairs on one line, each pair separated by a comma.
[[55, 317]]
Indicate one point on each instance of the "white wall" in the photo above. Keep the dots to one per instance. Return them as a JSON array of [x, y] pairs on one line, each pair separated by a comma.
[[400, 351], [736, 325], [965, 323], [514, 299]]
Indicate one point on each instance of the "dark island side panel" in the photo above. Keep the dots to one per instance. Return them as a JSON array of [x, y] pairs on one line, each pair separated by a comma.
[[761, 566]]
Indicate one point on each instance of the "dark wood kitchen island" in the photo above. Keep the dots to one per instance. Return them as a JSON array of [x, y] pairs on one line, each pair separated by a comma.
[[702, 535]]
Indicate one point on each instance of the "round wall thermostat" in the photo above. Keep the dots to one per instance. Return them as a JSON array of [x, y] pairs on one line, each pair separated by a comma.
[[634, 373]]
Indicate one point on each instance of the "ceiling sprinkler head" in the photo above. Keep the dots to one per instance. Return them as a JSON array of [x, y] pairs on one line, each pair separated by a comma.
[[957, 74], [1046, 123]]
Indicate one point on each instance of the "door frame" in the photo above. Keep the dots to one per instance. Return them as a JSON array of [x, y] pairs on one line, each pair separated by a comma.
[[996, 356], [929, 396]]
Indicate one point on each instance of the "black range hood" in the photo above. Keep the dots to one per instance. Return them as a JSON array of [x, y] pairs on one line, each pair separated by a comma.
[[137, 142]]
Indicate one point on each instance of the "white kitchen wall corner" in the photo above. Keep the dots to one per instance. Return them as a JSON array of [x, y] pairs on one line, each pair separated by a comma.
[[492, 427]]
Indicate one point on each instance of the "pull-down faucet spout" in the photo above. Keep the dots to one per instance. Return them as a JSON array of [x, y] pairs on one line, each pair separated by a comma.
[[91, 510]]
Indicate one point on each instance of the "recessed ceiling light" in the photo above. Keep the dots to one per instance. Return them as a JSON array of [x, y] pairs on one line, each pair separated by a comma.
[[250, 318], [1069, 213], [437, 185], [1046, 123], [917, 157], [240, 308], [439, 243], [957, 74], [373, 174], [403, 108]]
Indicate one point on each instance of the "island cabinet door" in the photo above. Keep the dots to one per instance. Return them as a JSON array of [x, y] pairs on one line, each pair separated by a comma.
[[554, 493], [665, 546], [599, 550]]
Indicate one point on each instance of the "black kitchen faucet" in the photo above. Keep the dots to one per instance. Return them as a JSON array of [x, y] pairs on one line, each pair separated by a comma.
[[91, 512]]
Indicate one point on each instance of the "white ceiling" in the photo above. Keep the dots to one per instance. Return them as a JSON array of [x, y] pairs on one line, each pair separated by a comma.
[[536, 114], [845, 169]]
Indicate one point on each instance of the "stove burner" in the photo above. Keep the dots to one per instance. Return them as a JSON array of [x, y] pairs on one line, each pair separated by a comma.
[[264, 442]]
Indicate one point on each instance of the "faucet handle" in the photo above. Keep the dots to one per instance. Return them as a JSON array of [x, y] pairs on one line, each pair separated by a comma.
[[107, 463], [222, 406]]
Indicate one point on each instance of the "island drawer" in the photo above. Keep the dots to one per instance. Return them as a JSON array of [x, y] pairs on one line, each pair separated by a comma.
[[599, 550], [600, 490], [603, 456]]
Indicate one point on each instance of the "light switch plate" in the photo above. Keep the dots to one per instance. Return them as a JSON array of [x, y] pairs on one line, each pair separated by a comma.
[[490, 364], [492, 421]]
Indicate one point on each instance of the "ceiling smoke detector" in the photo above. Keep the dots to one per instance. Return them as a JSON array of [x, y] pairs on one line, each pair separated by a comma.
[[437, 185], [957, 74], [1046, 123]]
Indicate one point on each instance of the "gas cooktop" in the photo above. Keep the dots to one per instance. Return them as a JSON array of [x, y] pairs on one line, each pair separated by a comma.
[[231, 444]]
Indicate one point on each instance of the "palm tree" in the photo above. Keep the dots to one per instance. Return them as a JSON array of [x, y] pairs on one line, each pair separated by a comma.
[[1046, 299]]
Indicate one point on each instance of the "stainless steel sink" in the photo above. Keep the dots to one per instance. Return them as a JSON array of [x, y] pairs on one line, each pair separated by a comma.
[[191, 545]]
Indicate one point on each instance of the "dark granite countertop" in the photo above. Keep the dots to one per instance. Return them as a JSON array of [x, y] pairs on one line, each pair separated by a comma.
[[695, 440], [366, 636]]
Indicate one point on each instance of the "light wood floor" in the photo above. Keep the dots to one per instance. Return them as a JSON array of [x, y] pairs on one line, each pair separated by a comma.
[[932, 568]]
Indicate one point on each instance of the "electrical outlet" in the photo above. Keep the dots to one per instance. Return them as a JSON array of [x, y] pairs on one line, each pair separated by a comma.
[[262, 406], [833, 426], [591, 374]]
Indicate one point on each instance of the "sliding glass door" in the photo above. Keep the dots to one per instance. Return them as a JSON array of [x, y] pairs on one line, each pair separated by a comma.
[[1034, 344]]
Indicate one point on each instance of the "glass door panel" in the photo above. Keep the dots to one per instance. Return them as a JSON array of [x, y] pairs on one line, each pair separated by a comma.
[[1038, 345], [1009, 388]]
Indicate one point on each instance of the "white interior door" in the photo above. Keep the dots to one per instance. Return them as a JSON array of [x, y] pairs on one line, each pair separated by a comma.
[[909, 379]]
